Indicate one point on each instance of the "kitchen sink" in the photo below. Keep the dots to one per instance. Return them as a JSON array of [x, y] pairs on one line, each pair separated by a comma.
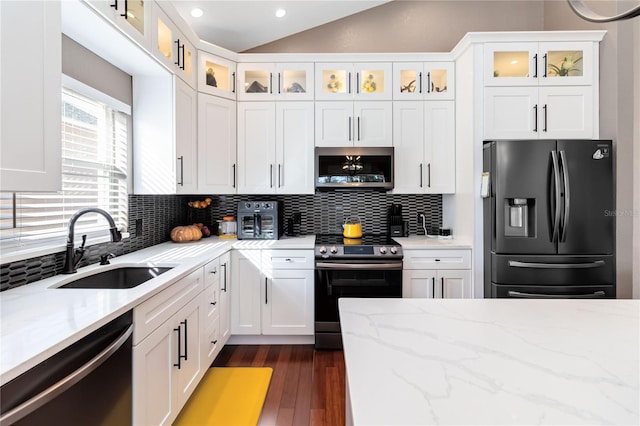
[[118, 278]]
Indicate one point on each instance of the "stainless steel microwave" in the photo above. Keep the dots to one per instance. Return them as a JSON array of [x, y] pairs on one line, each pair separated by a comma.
[[354, 168]]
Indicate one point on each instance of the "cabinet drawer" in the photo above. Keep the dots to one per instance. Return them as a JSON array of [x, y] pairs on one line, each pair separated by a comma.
[[212, 274], [288, 259], [150, 314], [437, 259], [210, 296]]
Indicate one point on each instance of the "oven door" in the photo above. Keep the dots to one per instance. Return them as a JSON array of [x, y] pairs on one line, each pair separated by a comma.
[[334, 279]]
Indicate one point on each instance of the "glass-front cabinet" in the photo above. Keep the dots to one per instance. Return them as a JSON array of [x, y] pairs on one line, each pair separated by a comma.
[[353, 81], [172, 48], [216, 75], [131, 16], [423, 80], [544, 63], [275, 81]]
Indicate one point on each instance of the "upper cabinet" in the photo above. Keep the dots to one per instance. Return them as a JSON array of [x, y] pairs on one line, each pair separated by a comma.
[[271, 81], [172, 48], [353, 81], [544, 63], [30, 103], [423, 80], [133, 17], [216, 76]]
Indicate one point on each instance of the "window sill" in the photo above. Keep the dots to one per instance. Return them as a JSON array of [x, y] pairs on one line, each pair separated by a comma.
[[14, 254]]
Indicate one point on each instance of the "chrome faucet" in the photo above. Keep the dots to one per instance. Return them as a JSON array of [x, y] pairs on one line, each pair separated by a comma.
[[73, 258]]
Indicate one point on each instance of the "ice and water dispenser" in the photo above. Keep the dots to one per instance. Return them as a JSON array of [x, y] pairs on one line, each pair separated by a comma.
[[519, 217]]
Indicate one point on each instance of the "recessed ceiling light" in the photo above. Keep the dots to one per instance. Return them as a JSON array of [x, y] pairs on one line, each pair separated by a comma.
[[197, 12], [280, 13]]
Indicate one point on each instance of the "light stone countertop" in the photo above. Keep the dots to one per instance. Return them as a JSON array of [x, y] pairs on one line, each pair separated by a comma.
[[38, 320], [422, 242], [491, 361]]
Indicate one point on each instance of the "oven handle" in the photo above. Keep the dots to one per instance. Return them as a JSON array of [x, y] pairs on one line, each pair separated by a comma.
[[388, 266], [56, 389]]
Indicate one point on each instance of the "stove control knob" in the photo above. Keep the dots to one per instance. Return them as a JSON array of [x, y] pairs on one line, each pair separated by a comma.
[[383, 250], [394, 250], [322, 250], [333, 250]]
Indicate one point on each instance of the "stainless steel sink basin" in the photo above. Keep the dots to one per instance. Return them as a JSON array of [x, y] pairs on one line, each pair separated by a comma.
[[118, 278]]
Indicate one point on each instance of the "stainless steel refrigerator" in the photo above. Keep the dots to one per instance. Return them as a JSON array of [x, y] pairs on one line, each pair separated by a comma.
[[549, 219]]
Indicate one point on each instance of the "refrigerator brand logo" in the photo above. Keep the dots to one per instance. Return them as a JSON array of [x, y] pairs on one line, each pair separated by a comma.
[[600, 153]]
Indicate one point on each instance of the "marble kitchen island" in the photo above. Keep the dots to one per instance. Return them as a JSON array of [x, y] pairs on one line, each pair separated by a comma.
[[491, 361]]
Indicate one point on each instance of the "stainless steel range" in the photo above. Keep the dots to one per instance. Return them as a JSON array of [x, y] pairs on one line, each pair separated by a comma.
[[370, 266]]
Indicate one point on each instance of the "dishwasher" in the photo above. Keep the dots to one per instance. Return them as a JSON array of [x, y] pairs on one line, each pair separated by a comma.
[[87, 383]]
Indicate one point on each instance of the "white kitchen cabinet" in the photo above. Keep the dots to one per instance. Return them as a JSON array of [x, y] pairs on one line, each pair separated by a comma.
[[133, 18], [210, 321], [423, 80], [30, 76], [359, 123], [167, 354], [225, 298], [186, 141], [540, 63], [437, 274], [353, 81], [172, 48], [216, 145], [275, 81], [272, 292], [531, 112], [275, 147], [424, 141], [216, 75]]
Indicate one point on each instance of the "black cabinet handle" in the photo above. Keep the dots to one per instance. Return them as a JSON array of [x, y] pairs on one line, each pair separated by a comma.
[[214, 303], [535, 118], [545, 65], [224, 265], [115, 4], [214, 341], [179, 330], [544, 129], [358, 128], [279, 83], [535, 66], [349, 80], [442, 287], [126, 8], [357, 82], [233, 74], [177, 62], [428, 175], [186, 335], [429, 82], [279, 172], [270, 175], [266, 300], [420, 175], [271, 83], [420, 81], [181, 158], [433, 287], [215, 271], [349, 127], [234, 175]]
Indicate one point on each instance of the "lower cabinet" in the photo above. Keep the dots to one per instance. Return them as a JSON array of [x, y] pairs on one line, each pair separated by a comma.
[[272, 292], [437, 274]]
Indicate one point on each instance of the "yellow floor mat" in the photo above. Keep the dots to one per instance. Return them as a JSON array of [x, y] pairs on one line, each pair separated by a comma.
[[227, 396]]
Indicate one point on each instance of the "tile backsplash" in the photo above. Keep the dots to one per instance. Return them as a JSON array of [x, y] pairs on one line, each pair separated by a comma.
[[321, 213]]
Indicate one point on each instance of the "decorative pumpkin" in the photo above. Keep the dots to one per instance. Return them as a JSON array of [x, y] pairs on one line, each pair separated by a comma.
[[181, 234]]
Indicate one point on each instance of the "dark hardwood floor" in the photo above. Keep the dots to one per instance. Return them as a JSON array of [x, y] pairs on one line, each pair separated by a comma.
[[307, 386]]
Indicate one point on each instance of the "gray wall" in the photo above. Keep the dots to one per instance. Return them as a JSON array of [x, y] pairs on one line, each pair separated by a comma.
[[437, 26]]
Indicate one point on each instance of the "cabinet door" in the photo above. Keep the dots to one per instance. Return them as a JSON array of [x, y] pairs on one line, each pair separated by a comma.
[[294, 81], [454, 284], [153, 359], [216, 145], [408, 140], [187, 372], [511, 64], [246, 286], [216, 76], [563, 64], [131, 17], [440, 154], [172, 48], [511, 113], [211, 293], [256, 82], [287, 300], [407, 80], [418, 283], [256, 147], [373, 123], [294, 148], [373, 81], [334, 124], [30, 102], [334, 81], [225, 301], [439, 79], [186, 142], [567, 112]]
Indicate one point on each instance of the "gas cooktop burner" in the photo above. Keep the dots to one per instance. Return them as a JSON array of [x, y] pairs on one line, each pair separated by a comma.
[[335, 246]]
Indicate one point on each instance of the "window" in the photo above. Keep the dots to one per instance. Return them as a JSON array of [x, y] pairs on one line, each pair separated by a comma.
[[94, 174]]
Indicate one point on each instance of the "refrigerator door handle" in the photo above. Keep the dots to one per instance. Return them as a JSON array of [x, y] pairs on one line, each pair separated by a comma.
[[556, 177], [517, 264], [567, 196], [594, 295]]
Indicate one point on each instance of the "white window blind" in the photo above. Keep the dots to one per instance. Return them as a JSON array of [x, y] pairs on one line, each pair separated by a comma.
[[94, 174]]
